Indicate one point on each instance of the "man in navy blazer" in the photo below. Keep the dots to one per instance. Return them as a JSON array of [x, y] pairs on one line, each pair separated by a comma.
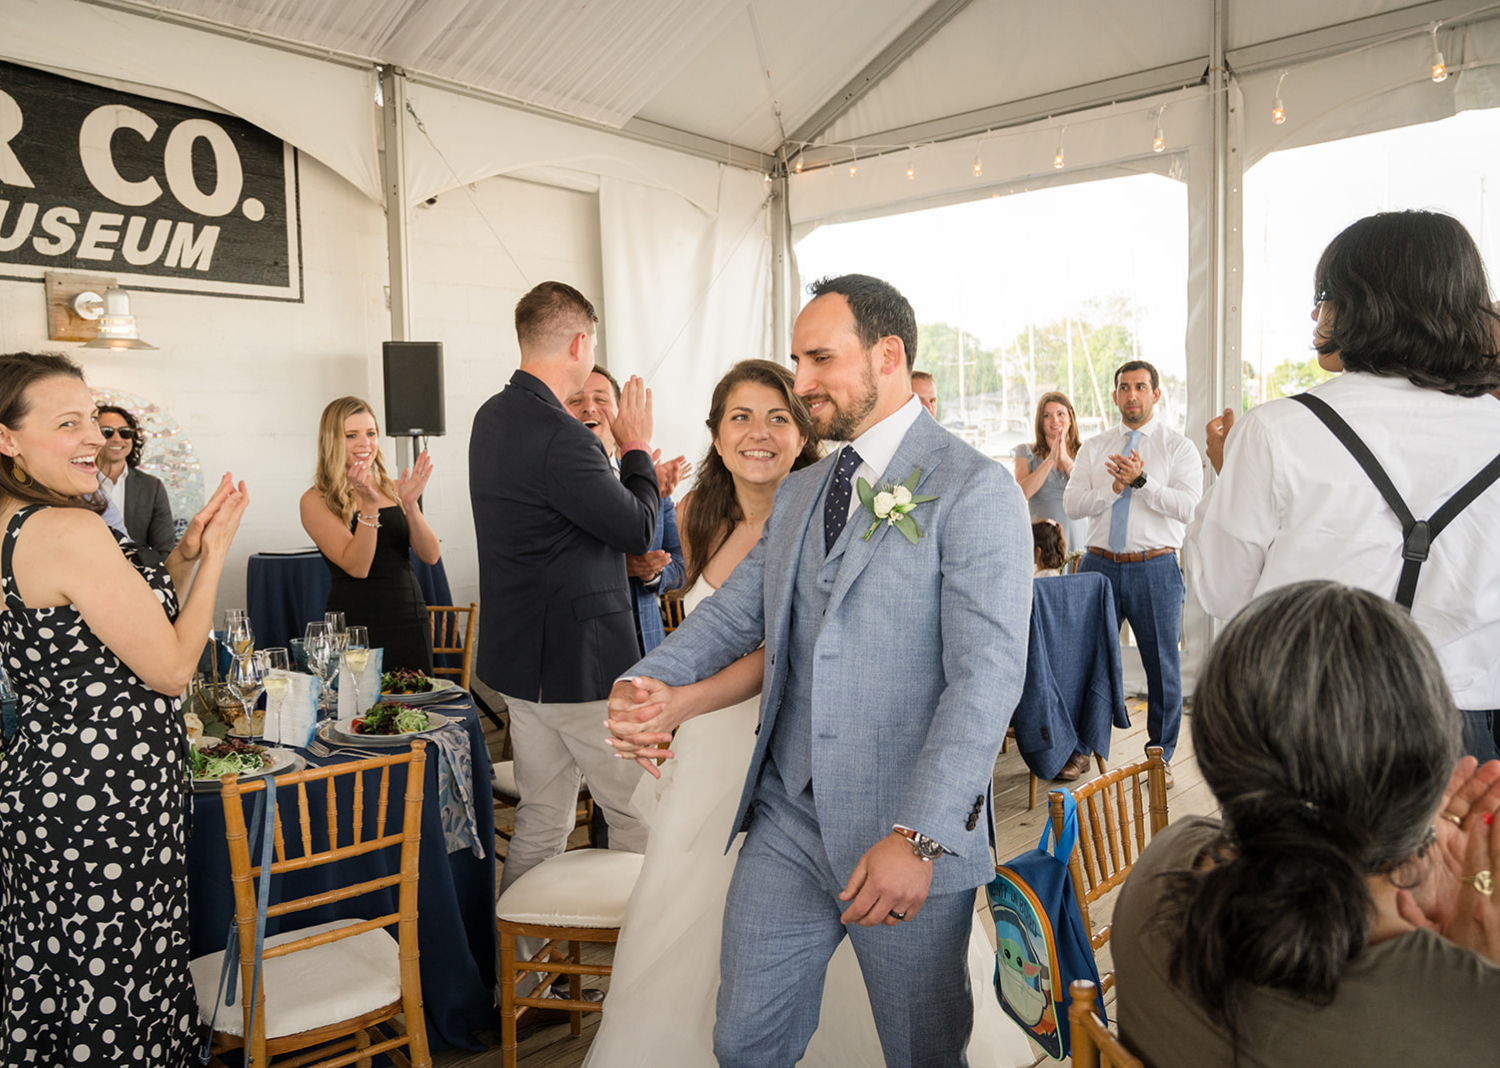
[[895, 649], [661, 568], [554, 523]]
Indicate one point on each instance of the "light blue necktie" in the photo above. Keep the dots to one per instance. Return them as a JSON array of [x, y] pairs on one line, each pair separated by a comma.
[[1119, 515]]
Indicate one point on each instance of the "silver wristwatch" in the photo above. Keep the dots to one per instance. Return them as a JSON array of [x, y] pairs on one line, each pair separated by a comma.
[[924, 848]]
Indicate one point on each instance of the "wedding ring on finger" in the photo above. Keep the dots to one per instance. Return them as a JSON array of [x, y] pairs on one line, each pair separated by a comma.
[[1482, 881], [1457, 821], [901, 915]]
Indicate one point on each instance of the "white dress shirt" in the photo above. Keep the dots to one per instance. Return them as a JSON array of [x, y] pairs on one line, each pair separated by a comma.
[[1159, 510], [877, 448], [114, 489], [1292, 504]]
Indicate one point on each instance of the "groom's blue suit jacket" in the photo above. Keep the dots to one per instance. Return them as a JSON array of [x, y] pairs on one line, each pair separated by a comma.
[[919, 662]]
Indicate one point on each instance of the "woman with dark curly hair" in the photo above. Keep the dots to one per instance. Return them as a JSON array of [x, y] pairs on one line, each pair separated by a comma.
[[1339, 911], [141, 498], [1402, 308]]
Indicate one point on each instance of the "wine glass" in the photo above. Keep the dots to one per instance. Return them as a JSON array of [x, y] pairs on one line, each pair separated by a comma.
[[238, 633], [247, 677], [335, 621], [357, 657], [323, 659]]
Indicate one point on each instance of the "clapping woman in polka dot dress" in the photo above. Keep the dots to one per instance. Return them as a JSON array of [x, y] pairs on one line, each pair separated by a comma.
[[93, 817]]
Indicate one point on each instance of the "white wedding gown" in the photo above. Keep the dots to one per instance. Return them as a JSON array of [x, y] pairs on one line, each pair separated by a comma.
[[660, 1009]]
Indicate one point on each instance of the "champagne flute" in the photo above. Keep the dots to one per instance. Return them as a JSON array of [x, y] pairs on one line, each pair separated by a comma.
[[278, 677], [247, 681], [357, 657]]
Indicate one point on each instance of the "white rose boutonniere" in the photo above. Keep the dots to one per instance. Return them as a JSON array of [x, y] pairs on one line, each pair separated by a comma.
[[893, 505]]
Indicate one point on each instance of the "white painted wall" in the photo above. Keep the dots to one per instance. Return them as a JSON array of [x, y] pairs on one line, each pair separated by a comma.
[[247, 379]]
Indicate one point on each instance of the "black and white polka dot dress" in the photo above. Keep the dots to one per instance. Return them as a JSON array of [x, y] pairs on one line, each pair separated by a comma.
[[93, 827]]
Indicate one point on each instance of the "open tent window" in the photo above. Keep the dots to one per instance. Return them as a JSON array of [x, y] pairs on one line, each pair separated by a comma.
[[1018, 295], [1292, 211]]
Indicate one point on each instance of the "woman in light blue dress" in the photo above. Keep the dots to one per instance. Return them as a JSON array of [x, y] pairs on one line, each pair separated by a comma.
[[1044, 466]]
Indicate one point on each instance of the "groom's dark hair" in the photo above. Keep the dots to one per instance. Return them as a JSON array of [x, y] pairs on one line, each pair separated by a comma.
[[879, 310]]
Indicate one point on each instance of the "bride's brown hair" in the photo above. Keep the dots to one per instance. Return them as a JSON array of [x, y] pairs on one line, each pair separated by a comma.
[[716, 507]]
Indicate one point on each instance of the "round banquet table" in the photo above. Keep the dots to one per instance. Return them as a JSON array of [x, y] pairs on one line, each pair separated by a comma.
[[455, 891], [284, 592]]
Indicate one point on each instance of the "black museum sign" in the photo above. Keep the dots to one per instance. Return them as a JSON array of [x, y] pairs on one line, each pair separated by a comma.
[[160, 195]]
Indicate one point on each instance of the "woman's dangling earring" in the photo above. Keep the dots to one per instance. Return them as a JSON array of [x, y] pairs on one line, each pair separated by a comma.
[[19, 473]]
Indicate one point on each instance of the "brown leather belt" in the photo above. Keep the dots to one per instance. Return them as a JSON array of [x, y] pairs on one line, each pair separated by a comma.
[[1130, 558]]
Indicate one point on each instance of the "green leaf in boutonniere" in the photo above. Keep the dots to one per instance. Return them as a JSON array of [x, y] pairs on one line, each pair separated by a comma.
[[893, 505]]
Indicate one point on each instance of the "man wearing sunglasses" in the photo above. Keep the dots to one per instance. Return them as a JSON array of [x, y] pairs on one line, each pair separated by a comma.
[[140, 498]]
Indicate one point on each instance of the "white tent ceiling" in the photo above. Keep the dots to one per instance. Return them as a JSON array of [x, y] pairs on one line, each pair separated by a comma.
[[752, 75]]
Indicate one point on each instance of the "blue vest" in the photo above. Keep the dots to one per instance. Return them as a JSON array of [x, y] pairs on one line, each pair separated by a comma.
[[791, 742]]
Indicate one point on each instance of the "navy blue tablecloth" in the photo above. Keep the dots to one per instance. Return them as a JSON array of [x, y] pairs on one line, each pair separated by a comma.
[[283, 594], [455, 891]]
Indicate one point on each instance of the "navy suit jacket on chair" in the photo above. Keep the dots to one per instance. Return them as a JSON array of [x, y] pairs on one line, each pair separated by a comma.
[[553, 524]]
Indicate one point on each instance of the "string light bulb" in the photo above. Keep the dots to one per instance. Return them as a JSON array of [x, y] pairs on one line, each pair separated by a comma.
[[1439, 64], [1278, 111], [978, 167], [1057, 160], [1158, 142], [797, 166], [911, 168]]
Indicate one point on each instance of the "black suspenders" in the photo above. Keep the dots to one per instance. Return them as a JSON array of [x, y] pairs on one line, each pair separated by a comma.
[[1417, 534]]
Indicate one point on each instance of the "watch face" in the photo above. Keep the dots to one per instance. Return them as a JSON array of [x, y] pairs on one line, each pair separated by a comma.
[[926, 848]]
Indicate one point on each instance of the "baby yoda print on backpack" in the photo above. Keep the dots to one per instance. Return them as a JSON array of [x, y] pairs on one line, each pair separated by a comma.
[[1041, 945]]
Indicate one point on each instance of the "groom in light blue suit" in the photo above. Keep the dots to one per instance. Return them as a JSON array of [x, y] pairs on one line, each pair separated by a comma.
[[891, 671]]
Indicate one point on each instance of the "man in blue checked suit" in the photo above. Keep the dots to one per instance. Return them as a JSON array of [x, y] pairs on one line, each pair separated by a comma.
[[892, 664]]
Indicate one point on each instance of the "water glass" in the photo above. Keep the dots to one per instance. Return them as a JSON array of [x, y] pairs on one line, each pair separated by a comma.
[[335, 621]]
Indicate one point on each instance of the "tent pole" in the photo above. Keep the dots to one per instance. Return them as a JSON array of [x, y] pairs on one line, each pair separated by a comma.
[[782, 297], [393, 182]]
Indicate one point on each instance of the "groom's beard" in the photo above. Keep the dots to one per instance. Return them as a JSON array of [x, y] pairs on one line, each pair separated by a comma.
[[843, 423]]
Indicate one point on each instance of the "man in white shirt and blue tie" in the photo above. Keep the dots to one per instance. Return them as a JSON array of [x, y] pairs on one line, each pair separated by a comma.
[[1137, 484]]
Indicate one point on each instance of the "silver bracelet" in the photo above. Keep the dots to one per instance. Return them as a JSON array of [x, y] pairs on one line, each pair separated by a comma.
[[369, 521]]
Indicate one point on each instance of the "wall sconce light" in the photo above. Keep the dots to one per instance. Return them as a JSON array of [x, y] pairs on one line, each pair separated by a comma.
[[77, 312]]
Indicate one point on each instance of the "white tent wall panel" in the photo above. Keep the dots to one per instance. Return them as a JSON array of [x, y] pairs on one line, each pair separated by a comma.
[[687, 295]]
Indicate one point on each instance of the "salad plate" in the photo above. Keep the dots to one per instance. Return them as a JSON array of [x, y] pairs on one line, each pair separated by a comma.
[[342, 732], [277, 761], [441, 689]]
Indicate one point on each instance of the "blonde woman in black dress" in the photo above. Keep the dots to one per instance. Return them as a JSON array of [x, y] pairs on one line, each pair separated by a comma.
[[93, 790], [365, 525]]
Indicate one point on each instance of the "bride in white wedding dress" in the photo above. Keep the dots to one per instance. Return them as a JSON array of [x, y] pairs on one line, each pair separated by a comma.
[[660, 1009]]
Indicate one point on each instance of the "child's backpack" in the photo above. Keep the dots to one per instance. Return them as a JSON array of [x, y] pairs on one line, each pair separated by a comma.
[[1041, 944]]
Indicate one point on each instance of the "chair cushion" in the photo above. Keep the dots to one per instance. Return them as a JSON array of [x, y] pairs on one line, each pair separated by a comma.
[[584, 888], [503, 782], [312, 988]]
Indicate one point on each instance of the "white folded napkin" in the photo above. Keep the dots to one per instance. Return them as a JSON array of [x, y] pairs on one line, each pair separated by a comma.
[[369, 686]]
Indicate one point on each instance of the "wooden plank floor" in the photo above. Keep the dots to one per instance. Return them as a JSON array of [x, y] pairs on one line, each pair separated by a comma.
[[1017, 830]]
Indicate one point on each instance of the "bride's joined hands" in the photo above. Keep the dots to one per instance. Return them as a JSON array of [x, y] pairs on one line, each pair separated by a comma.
[[643, 713]]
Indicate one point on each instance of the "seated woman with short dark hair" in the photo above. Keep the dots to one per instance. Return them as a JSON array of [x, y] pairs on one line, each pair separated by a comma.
[[1339, 913]]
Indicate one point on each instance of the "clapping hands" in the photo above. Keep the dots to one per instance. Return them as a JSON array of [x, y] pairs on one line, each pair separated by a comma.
[[1450, 899], [221, 515], [413, 481]]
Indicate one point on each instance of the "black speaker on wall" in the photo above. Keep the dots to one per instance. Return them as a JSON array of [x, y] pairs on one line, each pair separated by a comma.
[[414, 389]]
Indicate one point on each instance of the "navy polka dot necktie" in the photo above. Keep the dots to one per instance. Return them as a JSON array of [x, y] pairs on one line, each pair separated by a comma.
[[836, 507]]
